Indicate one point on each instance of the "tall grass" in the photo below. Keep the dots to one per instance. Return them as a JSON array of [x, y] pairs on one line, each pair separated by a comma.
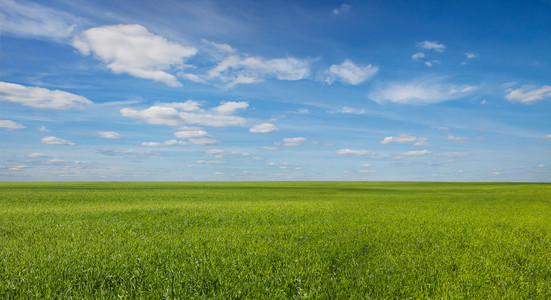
[[275, 240]]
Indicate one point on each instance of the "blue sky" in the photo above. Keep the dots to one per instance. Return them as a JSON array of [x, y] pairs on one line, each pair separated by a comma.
[[275, 90]]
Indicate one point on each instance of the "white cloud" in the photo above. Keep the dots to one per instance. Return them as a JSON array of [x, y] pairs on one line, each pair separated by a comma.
[[161, 114], [52, 140], [367, 171], [349, 152], [366, 165], [228, 108], [270, 148], [540, 166], [263, 128], [37, 155], [547, 136], [349, 110], [34, 20], [471, 55], [412, 153], [436, 46], [349, 73], [43, 129], [109, 135], [440, 127], [189, 105], [210, 162], [303, 110], [132, 49], [190, 134], [8, 124], [124, 152], [420, 92], [235, 70], [459, 140], [522, 96], [272, 164], [291, 142], [40, 97], [418, 55], [343, 9], [422, 141], [428, 64], [151, 144], [205, 140], [400, 139]]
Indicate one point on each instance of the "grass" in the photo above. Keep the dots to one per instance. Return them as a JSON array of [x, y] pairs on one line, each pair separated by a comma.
[[325, 240]]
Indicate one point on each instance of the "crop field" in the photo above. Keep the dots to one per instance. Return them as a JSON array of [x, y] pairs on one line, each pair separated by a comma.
[[328, 240]]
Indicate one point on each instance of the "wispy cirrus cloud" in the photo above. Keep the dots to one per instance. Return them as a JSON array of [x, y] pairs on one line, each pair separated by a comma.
[[41, 98], [420, 92], [237, 69], [132, 49], [109, 135], [350, 152], [29, 19], [124, 152], [412, 153]]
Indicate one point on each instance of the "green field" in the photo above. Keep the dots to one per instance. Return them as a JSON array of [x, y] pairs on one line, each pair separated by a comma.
[[326, 240]]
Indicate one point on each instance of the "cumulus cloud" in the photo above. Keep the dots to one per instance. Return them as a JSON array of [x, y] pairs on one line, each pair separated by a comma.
[[436, 46], [420, 92], [350, 152], [132, 49], [235, 69], [471, 55], [43, 129], [459, 140], [291, 142], [523, 95], [34, 20], [547, 137], [109, 135], [8, 124], [171, 115], [263, 128], [52, 140], [189, 134], [40, 97], [228, 108], [349, 73]]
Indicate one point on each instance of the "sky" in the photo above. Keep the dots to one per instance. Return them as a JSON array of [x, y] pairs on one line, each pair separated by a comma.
[[176, 90]]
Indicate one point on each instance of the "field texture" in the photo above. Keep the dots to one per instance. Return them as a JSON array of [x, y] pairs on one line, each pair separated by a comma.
[[326, 240]]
